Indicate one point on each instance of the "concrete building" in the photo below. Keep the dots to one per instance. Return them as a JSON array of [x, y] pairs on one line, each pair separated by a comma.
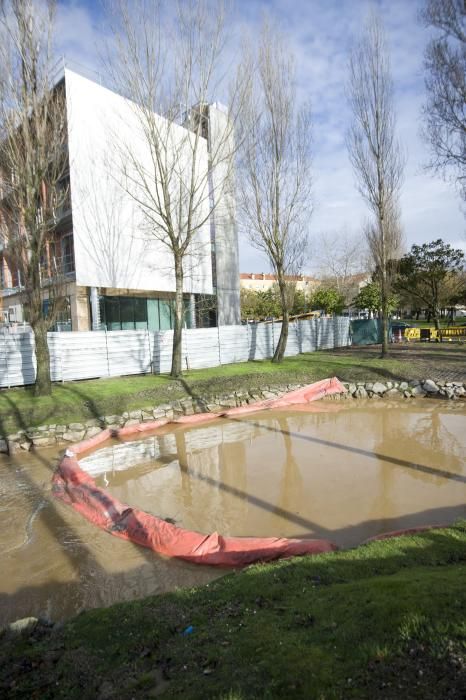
[[118, 275]]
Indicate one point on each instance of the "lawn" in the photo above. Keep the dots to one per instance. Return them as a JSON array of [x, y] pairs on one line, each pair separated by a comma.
[[77, 401], [386, 620]]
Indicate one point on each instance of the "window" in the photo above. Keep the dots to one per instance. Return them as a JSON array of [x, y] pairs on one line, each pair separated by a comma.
[[67, 251], [139, 313]]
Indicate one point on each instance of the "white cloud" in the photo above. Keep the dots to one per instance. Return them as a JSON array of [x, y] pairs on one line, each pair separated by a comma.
[[320, 33]]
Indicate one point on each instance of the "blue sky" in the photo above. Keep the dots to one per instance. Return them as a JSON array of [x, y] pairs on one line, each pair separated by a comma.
[[320, 33]]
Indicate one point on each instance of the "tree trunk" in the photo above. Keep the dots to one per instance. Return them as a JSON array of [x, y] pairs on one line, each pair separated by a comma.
[[43, 384], [436, 320], [178, 325], [281, 345], [385, 323]]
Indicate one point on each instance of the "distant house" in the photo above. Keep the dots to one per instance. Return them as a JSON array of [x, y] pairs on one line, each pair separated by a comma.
[[117, 275], [261, 281]]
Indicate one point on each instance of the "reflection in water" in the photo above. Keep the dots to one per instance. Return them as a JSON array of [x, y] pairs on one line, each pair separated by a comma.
[[347, 473], [344, 471]]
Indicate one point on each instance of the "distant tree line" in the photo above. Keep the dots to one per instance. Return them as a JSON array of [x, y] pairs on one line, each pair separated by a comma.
[[259, 305], [430, 279]]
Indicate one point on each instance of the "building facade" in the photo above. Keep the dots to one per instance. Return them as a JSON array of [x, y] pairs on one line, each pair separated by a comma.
[[261, 282], [118, 275]]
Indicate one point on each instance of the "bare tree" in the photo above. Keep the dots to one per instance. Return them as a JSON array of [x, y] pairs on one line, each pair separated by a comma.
[[375, 152], [275, 170], [341, 256], [180, 174], [445, 108], [33, 166]]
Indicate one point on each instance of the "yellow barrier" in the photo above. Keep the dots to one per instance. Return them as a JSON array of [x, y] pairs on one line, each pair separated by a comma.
[[453, 331], [415, 333]]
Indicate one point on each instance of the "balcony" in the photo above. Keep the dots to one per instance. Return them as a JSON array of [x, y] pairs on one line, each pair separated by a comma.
[[59, 267]]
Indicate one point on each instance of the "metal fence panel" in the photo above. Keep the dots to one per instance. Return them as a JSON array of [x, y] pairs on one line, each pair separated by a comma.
[[200, 348], [85, 355], [17, 359], [233, 344]]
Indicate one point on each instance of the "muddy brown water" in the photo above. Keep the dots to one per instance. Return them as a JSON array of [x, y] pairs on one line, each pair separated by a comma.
[[345, 471]]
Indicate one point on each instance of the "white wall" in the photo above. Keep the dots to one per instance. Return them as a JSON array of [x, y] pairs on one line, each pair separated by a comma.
[[113, 246]]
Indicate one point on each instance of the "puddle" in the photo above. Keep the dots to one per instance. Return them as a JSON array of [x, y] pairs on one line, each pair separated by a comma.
[[344, 471]]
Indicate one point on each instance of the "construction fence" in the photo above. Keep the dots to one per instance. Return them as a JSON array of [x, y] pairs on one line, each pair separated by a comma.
[[87, 355]]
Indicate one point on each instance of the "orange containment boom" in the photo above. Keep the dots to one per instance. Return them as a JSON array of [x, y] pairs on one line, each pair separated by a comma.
[[77, 488]]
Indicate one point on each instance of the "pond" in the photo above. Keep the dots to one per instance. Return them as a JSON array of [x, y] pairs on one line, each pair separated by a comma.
[[344, 471]]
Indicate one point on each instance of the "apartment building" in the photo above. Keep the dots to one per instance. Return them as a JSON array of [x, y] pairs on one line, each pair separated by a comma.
[[117, 275]]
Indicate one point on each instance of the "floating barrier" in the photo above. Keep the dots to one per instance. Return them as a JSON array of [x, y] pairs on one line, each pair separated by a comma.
[[75, 487]]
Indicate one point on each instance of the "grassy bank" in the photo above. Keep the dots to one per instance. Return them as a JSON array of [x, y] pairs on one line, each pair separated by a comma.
[[77, 401], [387, 620]]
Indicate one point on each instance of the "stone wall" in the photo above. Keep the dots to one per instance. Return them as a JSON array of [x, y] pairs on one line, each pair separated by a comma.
[[51, 435]]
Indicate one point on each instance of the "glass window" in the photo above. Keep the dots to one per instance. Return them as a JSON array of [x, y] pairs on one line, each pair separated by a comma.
[[127, 313], [153, 320], [67, 250], [140, 313], [186, 314], [112, 313], [165, 315]]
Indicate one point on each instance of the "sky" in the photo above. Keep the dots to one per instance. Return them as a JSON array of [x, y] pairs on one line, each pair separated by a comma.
[[320, 34]]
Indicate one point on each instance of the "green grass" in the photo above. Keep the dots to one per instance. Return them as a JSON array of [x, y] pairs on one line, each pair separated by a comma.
[[444, 323], [76, 401], [387, 620]]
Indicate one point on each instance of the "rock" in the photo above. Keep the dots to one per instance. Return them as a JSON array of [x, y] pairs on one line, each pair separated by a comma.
[[146, 416], [227, 403], [61, 429], [43, 441], [93, 423], [361, 393], [403, 386], [418, 391], [407, 394], [13, 446], [376, 396], [352, 389], [3, 446], [136, 415], [459, 391], [113, 420], [449, 392], [430, 387], [75, 427], [389, 385], [379, 388], [92, 430], [392, 392], [73, 436], [26, 446], [414, 382], [22, 627], [132, 421], [269, 395], [159, 413], [187, 406]]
